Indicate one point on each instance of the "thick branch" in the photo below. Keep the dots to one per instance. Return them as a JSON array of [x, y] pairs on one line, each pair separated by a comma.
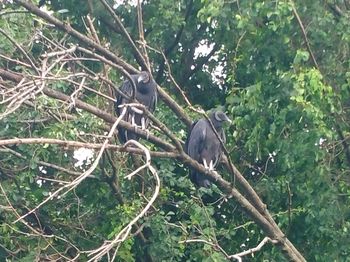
[[96, 111], [109, 118], [75, 144], [267, 224], [108, 54], [270, 229]]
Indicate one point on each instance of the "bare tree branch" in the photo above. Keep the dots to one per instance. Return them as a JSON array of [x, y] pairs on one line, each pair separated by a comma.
[[80, 178], [124, 233], [76, 144], [67, 28], [126, 35], [142, 35], [237, 256], [21, 49]]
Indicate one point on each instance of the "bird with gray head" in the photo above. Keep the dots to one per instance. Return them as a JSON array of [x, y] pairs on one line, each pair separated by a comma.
[[204, 146], [146, 94]]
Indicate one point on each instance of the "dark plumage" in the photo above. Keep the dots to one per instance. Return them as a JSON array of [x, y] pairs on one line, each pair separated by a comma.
[[203, 145], [41, 3], [146, 94]]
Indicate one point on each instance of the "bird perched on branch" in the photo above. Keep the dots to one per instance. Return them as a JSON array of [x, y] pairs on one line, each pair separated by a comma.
[[203, 145], [145, 94]]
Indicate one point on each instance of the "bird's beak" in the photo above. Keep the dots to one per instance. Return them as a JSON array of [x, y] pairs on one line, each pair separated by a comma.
[[228, 120]]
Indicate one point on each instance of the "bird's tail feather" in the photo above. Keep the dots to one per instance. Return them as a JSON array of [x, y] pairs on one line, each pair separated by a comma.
[[198, 179], [122, 135]]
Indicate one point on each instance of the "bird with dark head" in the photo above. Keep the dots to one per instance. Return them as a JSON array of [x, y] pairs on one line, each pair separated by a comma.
[[203, 145], [145, 94], [41, 3]]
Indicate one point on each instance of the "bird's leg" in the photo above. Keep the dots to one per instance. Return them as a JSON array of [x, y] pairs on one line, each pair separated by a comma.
[[205, 164], [143, 123], [126, 135], [143, 126], [211, 165], [136, 111], [143, 120], [133, 120]]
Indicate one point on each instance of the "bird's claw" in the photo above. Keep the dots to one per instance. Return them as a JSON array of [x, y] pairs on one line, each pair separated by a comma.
[[143, 123], [209, 167], [143, 127]]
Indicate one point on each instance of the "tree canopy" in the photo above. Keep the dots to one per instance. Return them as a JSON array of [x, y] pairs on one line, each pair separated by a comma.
[[70, 190]]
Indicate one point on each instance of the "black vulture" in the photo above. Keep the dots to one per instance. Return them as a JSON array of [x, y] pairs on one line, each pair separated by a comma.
[[146, 94], [204, 146]]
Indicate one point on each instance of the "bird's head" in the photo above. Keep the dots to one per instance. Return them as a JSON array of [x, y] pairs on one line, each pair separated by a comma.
[[143, 77], [219, 118]]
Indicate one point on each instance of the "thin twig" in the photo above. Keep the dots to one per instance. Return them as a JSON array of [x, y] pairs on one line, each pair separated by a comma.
[[125, 33], [239, 256], [124, 233], [76, 144], [80, 178], [300, 23], [142, 35], [21, 49]]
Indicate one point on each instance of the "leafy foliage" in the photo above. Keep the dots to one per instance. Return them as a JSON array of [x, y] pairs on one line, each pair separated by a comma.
[[289, 135]]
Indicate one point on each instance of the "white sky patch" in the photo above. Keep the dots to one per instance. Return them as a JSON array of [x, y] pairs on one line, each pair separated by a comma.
[[271, 156], [83, 155], [45, 10], [118, 3], [39, 182], [203, 48], [182, 133], [180, 47], [217, 74], [214, 24], [321, 141], [42, 170]]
